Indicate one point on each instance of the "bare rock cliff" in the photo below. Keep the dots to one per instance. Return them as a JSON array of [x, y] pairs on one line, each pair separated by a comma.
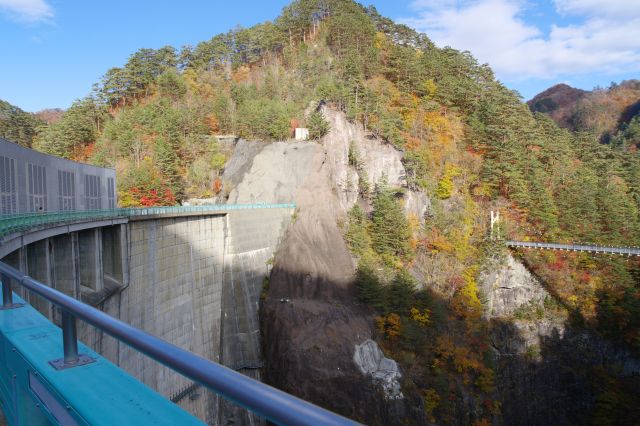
[[311, 322], [317, 339], [375, 160]]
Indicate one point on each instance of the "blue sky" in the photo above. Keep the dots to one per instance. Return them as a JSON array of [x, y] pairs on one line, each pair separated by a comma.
[[53, 51]]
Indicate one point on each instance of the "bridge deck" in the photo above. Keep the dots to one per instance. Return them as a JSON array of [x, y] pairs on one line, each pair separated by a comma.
[[629, 251]]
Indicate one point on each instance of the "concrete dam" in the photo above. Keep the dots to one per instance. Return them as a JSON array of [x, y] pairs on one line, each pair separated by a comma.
[[192, 279]]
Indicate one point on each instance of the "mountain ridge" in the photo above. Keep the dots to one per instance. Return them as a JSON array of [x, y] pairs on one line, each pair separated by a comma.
[[603, 111], [558, 102]]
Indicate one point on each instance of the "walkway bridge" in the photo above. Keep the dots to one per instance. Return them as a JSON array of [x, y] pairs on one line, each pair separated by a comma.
[[590, 248], [628, 251], [48, 377]]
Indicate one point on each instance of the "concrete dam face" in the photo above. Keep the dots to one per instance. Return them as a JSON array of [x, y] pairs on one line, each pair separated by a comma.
[[194, 281]]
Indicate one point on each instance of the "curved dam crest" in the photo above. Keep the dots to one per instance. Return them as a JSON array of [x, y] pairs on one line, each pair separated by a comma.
[[194, 281]]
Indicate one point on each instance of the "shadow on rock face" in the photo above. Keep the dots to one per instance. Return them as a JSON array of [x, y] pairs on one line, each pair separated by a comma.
[[552, 369], [309, 346], [573, 378]]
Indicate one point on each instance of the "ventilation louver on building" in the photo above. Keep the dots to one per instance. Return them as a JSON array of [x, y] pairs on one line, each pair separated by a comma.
[[92, 192], [111, 192], [8, 203], [37, 188], [67, 190]]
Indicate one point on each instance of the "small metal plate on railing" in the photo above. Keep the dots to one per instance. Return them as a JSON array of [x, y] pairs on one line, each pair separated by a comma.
[[59, 364]]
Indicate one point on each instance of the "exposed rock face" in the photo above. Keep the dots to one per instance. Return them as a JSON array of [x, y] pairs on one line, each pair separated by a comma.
[[370, 359], [274, 174], [376, 159], [310, 338], [509, 287], [311, 322], [417, 204], [545, 370], [240, 162]]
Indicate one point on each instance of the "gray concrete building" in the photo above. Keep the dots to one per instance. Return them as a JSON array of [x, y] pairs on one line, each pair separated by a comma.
[[31, 181]]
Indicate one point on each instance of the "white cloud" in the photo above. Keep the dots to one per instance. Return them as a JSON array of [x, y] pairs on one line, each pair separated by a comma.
[[610, 8], [605, 39], [29, 11]]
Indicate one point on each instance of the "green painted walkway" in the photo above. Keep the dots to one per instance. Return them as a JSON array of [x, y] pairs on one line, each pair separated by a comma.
[[32, 392]]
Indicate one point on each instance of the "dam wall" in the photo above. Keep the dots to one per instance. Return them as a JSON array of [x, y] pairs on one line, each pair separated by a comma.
[[174, 292], [194, 281], [250, 246]]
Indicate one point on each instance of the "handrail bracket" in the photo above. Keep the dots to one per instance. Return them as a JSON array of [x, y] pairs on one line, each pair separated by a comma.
[[7, 294], [70, 346], [61, 364]]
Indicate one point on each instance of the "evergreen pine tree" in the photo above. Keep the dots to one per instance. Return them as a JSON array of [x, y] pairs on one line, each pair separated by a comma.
[[390, 228]]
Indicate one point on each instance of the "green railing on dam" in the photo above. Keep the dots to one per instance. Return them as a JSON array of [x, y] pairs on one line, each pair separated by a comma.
[[22, 222]]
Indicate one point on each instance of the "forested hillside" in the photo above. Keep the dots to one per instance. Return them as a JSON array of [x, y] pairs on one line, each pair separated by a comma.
[[468, 142], [16, 125]]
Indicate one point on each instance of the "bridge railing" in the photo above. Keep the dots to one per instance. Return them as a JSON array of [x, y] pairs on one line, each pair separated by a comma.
[[273, 404], [22, 222], [629, 251]]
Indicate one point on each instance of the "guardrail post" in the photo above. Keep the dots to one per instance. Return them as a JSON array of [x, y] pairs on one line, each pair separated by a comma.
[[71, 356], [69, 338], [7, 294]]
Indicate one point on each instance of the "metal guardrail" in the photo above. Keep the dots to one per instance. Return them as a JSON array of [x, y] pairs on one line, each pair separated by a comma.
[[22, 222], [629, 251], [264, 400]]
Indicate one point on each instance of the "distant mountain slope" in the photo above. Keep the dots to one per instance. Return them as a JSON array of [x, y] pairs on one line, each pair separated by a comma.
[[601, 111], [50, 115], [558, 102], [16, 125]]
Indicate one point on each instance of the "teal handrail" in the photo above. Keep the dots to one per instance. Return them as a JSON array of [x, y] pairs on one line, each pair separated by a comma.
[[21, 222]]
